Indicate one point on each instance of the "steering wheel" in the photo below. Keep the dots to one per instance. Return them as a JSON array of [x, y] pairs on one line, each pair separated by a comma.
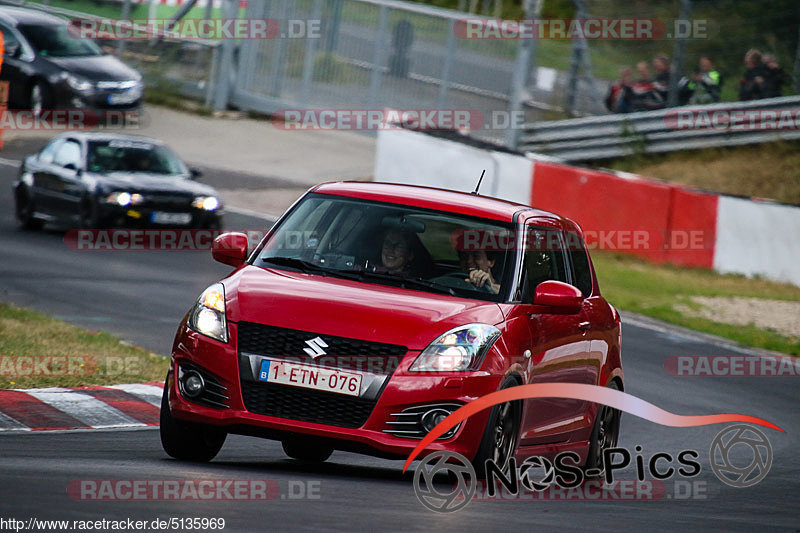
[[459, 282]]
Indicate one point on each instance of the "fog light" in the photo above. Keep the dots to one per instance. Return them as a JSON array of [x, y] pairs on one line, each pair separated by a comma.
[[193, 384], [433, 417]]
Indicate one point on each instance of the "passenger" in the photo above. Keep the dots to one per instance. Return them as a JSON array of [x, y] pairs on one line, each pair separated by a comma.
[[397, 251]]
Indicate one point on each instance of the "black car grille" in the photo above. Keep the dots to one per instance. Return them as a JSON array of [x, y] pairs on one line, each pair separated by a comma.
[[341, 352], [167, 201], [306, 405]]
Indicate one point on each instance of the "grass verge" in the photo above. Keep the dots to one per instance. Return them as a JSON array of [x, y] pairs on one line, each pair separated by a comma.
[[766, 170], [39, 351], [657, 291]]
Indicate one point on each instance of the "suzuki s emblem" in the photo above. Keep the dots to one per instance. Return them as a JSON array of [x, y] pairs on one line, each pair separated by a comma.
[[316, 347]]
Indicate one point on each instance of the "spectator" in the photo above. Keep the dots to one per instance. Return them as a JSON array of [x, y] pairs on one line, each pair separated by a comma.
[[661, 64], [773, 76], [706, 84], [752, 84], [620, 95], [645, 94]]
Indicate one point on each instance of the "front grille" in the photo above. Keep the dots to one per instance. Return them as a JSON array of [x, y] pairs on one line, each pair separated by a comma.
[[306, 405], [341, 352], [167, 201]]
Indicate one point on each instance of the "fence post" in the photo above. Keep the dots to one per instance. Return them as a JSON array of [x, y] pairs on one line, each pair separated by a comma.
[[796, 70], [310, 56], [126, 14], [526, 59], [676, 70], [444, 86], [223, 85], [378, 55]]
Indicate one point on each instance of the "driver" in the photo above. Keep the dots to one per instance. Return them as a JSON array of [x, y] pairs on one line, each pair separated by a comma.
[[479, 265]]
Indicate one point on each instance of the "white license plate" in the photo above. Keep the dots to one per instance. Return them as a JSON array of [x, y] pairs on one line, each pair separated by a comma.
[[310, 377], [122, 98], [160, 217]]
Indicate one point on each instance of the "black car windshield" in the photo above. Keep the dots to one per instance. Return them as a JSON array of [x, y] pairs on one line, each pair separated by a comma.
[[397, 245], [54, 40], [133, 156]]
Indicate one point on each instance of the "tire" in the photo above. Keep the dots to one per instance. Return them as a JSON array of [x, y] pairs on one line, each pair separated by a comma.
[[25, 208], [306, 451], [501, 436], [87, 217], [40, 98], [605, 434], [187, 441]]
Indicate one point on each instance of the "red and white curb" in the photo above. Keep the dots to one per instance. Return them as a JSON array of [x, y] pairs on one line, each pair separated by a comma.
[[129, 406]]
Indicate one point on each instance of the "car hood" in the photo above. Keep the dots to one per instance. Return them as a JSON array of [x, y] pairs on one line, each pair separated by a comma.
[[346, 308], [142, 182], [96, 68]]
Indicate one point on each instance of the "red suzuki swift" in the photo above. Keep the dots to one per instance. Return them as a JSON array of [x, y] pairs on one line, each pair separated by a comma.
[[372, 311]]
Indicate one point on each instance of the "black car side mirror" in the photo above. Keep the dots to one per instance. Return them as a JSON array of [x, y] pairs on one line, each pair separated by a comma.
[[12, 50], [195, 173]]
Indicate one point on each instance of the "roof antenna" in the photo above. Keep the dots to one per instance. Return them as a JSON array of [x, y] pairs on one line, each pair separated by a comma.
[[478, 186]]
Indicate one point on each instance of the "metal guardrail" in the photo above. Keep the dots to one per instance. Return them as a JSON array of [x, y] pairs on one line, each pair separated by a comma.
[[608, 136]]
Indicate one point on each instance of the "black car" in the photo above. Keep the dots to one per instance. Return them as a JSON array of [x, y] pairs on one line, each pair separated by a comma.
[[101, 180], [47, 67]]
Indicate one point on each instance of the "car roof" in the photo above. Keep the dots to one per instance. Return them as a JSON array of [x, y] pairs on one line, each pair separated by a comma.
[[18, 15], [432, 198], [105, 136]]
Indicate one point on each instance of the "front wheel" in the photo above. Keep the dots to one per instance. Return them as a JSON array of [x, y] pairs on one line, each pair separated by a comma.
[[605, 435], [499, 442], [187, 441], [25, 209]]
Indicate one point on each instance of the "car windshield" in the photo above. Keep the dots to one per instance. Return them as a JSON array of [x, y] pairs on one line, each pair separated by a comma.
[[133, 156], [397, 245], [54, 40]]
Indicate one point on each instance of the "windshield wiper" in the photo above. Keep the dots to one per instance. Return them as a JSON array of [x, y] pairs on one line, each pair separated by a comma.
[[416, 282], [309, 267]]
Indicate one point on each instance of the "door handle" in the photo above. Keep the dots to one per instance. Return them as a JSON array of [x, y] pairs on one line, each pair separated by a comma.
[[585, 326]]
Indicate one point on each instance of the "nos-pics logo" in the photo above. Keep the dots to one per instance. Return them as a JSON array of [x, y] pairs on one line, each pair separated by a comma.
[[450, 497]]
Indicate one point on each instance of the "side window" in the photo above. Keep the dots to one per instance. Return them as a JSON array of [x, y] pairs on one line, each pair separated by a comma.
[[581, 272], [543, 260], [69, 153], [49, 152], [10, 40]]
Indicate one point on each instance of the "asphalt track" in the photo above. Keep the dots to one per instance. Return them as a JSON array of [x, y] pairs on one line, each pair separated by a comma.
[[141, 296]]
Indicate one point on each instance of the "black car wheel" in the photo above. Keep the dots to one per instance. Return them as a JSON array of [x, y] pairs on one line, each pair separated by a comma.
[[40, 98], [25, 210], [307, 452], [605, 435], [501, 435], [187, 441], [88, 217]]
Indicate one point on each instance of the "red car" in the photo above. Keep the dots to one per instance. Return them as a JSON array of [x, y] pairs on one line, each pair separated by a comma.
[[371, 311]]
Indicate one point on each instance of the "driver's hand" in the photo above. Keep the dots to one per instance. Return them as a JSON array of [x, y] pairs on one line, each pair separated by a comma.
[[479, 278]]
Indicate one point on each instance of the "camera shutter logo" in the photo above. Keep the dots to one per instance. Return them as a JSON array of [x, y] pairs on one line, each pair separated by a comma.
[[725, 467], [453, 498], [531, 464]]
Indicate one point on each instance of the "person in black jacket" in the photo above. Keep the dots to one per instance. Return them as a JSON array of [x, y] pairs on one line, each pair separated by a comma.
[[620, 95], [752, 84], [774, 76]]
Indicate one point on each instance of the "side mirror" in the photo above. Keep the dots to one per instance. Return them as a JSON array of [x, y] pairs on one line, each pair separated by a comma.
[[195, 173], [562, 297], [230, 248], [12, 50]]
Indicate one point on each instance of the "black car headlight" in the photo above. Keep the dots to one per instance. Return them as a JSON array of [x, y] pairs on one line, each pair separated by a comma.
[[79, 84], [207, 317], [457, 350], [206, 203]]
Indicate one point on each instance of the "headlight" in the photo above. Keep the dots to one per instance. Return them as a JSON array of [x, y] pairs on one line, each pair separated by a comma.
[[207, 203], [124, 198], [82, 85], [208, 315], [457, 350]]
